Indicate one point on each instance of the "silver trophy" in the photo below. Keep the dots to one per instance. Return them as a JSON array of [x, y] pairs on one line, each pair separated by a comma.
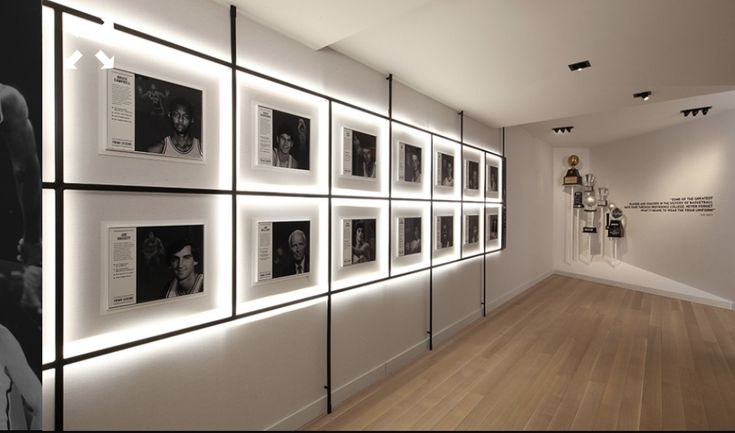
[[590, 203], [602, 193]]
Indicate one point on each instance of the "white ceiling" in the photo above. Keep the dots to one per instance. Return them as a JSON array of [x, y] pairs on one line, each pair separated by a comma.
[[504, 62]]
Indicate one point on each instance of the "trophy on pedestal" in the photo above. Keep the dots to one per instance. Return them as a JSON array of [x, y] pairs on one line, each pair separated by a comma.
[[589, 200], [616, 229], [572, 177]]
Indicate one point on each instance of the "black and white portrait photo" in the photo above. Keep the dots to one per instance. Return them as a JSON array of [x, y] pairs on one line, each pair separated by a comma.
[[149, 263], [472, 229], [291, 248], [167, 118], [359, 153], [473, 175], [445, 168], [492, 227], [409, 236], [492, 179], [358, 241], [283, 139], [20, 216], [284, 249], [410, 164], [445, 231]]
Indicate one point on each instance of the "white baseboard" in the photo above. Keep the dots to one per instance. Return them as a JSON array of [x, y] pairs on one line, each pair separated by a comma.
[[728, 305], [508, 296], [442, 336], [406, 357], [302, 416], [342, 393], [390, 366]]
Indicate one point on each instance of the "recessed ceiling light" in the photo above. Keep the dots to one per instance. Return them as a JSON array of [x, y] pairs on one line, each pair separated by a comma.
[[562, 129], [695, 111], [643, 95], [580, 65]]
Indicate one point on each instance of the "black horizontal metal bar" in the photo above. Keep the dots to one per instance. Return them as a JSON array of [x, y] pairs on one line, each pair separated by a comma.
[[418, 128], [482, 150], [139, 188], [72, 11], [359, 197], [398, 198], [143, 341], [50, 366], [446, 200], [49, 185], [357, 107], [280, 194], [166, 43], [458, 260], [282, 82], [414, 271]]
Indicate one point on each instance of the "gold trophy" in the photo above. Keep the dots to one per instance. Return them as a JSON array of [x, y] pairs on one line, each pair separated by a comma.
[[572, 177]]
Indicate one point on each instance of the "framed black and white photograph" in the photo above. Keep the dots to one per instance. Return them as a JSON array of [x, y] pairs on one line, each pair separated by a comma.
[[151, 116], [472, 175], [492, 178], [445, 169], [283, 139], [284, 249], [150, 263], [358, 241], [492, 226], [409, 236], [359, 154], [444, 232], [472, 229], [409, 165]]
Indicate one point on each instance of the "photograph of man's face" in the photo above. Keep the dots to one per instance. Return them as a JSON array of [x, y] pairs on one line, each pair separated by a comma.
[[168, 118], [291, 140], [183, 263], [170, 261], [291, 246]]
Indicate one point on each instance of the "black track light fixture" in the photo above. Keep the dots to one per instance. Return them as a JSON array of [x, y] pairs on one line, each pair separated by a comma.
[[584, 64], [562, 129], [695, 111], [646, 95]]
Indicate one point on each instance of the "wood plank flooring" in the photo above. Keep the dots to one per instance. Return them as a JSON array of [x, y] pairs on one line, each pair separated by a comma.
[[567, 355]]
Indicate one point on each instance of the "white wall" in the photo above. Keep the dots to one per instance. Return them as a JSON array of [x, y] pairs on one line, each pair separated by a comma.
[[268, 371], [684, 254], [527, 258]]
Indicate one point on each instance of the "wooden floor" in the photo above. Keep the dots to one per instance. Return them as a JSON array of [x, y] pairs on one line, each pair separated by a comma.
[[568, 354]]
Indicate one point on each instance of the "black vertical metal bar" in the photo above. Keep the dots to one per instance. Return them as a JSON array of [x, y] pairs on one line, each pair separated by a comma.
[[503, 196], [484, 240], [461, 183], [390, 173], [329, 272], [59, 198], [233, 53], [431, 264]]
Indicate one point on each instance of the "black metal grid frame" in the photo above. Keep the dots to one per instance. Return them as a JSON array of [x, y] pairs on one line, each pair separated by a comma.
[[59, 187]]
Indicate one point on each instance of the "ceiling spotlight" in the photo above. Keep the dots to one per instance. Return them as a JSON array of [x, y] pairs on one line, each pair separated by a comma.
[[643, 95], [695, 111], [580, 65], [562, 129]]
